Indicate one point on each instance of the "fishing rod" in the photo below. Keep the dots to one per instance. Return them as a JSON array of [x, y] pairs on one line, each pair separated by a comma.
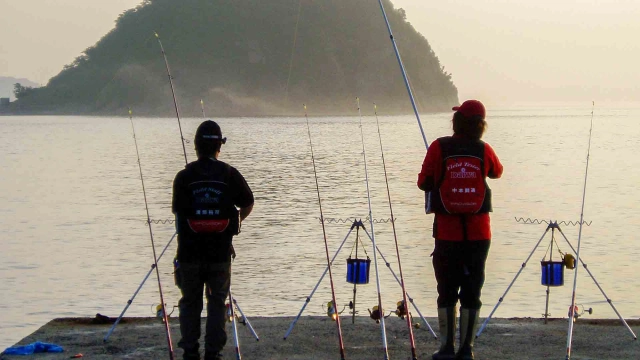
[[373, 239], [234, 323], [575, 278], [173, 93], [404, 74], [153, 246], [355, 283], [324, 233], [395, 237]]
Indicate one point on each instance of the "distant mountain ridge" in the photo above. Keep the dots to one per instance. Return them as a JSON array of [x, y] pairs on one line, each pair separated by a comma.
[[7, 83], [249, 58]]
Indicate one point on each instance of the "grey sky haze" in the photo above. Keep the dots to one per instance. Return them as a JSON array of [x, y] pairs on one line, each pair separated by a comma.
[[504, 52]]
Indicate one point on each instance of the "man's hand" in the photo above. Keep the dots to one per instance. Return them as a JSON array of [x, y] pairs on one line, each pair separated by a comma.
[[245, 211]]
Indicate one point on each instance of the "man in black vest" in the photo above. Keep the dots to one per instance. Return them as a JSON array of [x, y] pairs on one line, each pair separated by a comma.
[[210, 200]]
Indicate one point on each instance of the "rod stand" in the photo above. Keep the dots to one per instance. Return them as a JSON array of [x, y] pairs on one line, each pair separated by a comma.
[[326, 270], [130, 301], [553, 225], [356, 224]]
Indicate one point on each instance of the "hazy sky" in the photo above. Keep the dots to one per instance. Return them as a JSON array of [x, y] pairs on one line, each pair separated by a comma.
[[505, 52]]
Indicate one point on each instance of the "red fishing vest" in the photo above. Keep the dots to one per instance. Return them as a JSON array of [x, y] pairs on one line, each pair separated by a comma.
[[462, 187]]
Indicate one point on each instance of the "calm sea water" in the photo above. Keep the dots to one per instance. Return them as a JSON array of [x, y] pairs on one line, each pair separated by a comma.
[[74, 240]]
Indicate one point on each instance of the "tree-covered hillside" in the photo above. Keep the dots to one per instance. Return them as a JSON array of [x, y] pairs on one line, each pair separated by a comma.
[[7, 86], [247, 57]]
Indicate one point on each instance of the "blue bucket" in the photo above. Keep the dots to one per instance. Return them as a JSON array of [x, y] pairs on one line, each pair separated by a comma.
[[358, 271], [552, 273]]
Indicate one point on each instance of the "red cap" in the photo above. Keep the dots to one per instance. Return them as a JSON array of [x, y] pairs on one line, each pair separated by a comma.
[[470, 108]]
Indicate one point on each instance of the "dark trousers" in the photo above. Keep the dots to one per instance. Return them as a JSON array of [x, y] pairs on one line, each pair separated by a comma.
[[191, 278], [459, 269]]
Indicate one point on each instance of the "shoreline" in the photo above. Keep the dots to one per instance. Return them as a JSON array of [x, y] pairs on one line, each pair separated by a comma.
[[315, 337]]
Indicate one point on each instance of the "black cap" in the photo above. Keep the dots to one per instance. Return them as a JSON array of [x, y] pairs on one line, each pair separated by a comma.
[[209, 130]]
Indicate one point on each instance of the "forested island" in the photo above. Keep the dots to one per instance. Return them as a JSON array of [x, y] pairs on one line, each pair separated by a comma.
[[248, 58]]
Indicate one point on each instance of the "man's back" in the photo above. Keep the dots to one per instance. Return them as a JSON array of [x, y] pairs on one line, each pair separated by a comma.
[[205, 196]]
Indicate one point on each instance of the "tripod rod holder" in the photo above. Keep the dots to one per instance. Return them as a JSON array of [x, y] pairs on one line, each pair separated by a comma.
[[356, 224]]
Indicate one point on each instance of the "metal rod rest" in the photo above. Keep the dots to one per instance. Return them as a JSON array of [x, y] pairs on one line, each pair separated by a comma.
[[584, 265], [524, 264], [153, 266], [293, 323], [246, 320]]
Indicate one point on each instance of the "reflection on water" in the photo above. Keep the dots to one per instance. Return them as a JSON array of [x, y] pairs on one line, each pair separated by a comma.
[[75, 242]]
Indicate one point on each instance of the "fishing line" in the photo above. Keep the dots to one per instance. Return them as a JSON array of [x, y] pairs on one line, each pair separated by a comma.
[[393, 226], [324, 233], [153, 246], [173, 93], [575, 279], [404, 74], [293, 49], [373, 239]]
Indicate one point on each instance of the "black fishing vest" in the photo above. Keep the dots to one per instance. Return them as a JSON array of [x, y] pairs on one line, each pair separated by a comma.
[[209, 209]]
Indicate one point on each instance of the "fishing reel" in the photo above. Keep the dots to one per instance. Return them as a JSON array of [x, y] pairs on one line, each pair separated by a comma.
[[376, 314], [569, 261], [401, 313], [401, 310], [578, 310], [332, 312], [160, 314], [231, 314], [240, 319]]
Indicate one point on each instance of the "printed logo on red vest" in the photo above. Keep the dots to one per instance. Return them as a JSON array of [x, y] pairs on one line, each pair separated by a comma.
[[463, 174], [463, 188]]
